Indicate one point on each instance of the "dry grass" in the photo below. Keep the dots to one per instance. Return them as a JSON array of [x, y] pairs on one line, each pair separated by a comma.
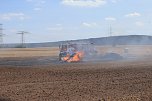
[[29, 52], [140, 50]]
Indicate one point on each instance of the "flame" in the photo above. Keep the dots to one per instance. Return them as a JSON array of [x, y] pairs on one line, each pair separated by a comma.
[[78, 56], [66, 57]]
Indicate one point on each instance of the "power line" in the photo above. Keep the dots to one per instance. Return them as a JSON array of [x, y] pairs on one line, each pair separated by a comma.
[[22, 33]]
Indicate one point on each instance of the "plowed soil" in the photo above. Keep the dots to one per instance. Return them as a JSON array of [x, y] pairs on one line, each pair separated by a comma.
[[44, 79], [109, 81]]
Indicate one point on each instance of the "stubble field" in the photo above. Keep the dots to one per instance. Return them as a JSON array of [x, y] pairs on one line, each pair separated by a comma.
[[36, 75]]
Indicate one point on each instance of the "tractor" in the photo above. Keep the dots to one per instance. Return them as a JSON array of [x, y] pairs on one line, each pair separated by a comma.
[[76, 52]]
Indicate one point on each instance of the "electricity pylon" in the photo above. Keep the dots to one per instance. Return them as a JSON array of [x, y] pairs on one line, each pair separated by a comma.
[[1, 35], [22, 33]]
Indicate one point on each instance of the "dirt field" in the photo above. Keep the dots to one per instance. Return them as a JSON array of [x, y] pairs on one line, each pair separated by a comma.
[[36, 75]]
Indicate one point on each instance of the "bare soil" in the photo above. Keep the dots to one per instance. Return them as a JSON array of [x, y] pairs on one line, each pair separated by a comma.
[[109, 81], [42, 78]]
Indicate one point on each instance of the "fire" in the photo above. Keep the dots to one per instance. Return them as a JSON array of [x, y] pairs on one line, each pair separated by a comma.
[[75, 58], [75, 52]]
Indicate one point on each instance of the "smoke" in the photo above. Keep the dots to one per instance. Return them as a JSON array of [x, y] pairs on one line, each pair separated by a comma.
[[123, 40], [116, 48]]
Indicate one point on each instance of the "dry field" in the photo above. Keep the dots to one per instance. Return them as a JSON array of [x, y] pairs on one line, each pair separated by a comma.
[[28, 52], [140, 50], [35, 75]]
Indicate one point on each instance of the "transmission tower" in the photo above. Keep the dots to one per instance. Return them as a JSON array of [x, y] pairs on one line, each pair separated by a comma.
[[1, 35], [22, 33]]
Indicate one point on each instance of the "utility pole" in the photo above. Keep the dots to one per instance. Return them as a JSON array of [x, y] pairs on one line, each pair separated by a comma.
[[22, 33], [110, 31], [1, 35]]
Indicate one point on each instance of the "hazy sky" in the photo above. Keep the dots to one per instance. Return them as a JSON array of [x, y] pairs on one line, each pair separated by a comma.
[[54, 20]]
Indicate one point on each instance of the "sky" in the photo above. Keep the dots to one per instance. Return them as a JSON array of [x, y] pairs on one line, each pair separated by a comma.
[[57, 20]]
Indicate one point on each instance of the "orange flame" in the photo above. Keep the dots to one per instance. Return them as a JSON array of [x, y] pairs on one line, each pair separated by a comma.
[[78, 56]]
